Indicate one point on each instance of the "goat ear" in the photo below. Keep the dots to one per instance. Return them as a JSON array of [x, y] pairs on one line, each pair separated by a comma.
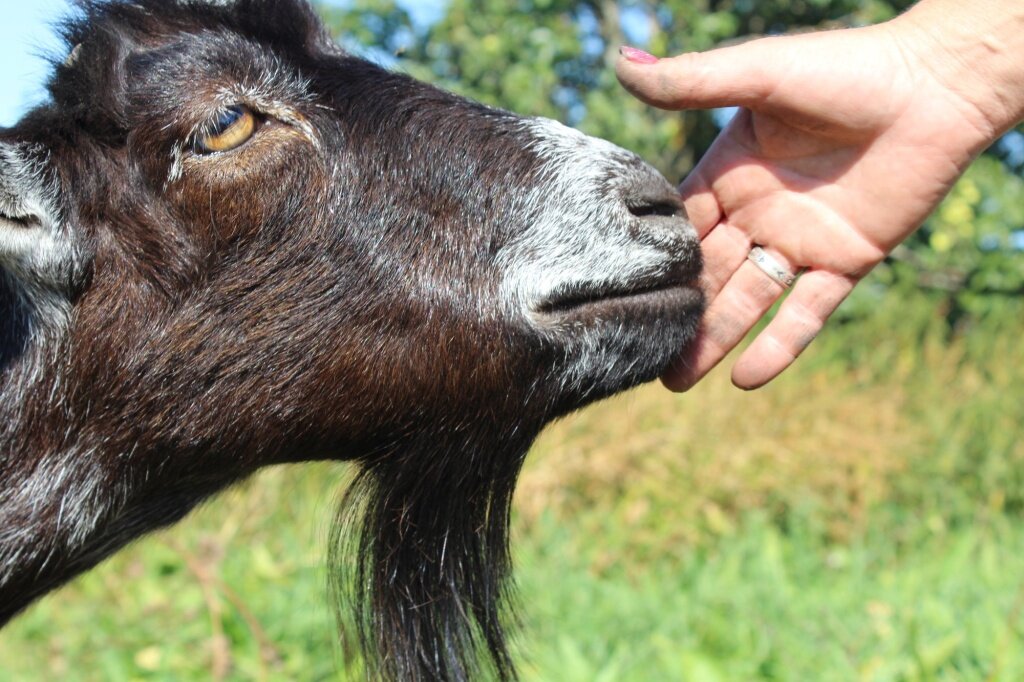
[[32, 243]]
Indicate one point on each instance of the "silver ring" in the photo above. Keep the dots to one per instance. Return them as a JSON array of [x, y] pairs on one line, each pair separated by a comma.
[[771, 267]]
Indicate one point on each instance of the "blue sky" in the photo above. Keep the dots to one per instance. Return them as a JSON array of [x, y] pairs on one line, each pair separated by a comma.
[[26, 34]]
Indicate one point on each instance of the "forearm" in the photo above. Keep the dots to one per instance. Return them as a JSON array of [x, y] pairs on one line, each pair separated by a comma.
[[976, 49]]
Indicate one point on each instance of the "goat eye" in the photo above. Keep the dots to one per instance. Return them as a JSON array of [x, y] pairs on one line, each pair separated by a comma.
[[232, 129]]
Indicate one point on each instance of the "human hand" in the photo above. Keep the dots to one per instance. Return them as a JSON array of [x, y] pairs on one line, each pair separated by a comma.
[[846, 142]]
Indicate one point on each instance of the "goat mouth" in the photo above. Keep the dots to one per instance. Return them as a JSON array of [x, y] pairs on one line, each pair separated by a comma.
[[656, 294]]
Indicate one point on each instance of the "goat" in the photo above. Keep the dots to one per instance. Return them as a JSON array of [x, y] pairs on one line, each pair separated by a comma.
[[226, 243]]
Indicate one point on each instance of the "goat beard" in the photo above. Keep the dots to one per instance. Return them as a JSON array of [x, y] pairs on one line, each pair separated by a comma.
[[419, 560]]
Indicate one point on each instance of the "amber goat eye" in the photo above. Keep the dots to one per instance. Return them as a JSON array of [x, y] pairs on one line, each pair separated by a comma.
[[232, 129]]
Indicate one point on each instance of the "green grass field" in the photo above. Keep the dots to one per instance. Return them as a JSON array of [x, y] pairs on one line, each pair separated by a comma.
[[858, 520]]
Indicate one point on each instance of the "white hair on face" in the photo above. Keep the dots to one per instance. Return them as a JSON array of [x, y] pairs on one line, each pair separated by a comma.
[[583, 238], [582, 230], [38, 255], [37, 250]]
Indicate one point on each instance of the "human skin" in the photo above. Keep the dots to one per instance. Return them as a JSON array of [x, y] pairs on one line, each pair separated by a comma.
[[845, 142]]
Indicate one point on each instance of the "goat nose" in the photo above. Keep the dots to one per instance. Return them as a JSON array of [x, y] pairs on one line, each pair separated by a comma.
[[646, 192], [656, 206]]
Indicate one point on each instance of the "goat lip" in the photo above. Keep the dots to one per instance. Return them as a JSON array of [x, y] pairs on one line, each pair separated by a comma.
[[605, 301]]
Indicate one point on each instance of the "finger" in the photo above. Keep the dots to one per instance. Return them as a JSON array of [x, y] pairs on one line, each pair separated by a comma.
[[802, 315], [701, 205], [741, 303], [724, 250], [738, 75]]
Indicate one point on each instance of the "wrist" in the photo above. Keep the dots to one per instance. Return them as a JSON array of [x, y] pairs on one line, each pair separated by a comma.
[[975, 50]]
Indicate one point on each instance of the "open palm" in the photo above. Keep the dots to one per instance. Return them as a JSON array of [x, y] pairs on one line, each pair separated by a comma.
[[845, 142]]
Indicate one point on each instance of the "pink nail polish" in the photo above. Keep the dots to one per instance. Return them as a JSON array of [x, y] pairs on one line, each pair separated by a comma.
[[637, 56]]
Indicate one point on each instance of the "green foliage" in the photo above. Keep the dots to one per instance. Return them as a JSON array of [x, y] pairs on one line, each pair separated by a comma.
[[553, 57], [970, 245]]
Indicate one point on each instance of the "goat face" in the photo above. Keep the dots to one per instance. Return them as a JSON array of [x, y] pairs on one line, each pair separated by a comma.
[[226, 244]]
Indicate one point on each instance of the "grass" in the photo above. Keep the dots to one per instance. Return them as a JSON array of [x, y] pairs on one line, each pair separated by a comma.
[[858, 520], [763, 605]]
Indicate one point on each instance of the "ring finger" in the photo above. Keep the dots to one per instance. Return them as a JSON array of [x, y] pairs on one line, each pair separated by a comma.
[[744, 299]]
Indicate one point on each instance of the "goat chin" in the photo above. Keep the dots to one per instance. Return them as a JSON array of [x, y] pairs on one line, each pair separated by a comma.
[[225, 243]]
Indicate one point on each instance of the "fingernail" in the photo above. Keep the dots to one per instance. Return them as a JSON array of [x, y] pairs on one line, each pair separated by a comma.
[[637, 56]]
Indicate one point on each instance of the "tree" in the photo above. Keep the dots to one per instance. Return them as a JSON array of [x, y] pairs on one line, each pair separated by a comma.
[[553, 57]]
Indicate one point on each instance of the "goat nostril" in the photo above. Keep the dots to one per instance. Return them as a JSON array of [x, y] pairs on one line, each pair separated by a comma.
[[657, 208]]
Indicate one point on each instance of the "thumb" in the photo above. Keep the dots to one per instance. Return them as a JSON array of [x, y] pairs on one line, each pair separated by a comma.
[[740, 75]]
